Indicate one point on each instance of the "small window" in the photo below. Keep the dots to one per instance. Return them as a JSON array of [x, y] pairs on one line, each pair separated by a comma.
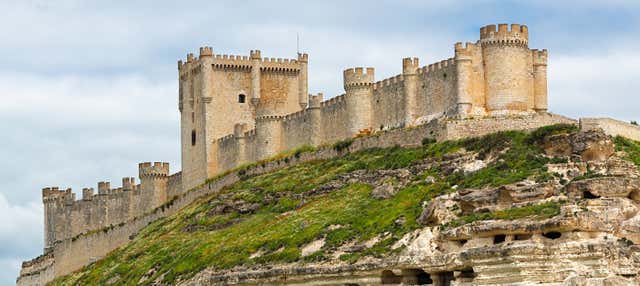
[[193, 137], [241, 98], [193, 117]]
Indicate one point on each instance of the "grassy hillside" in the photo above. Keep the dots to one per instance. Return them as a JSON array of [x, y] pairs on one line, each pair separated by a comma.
[[275, 214]]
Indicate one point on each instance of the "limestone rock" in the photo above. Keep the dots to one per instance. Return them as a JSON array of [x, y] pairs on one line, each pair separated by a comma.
[[383, 191], [608, 187]]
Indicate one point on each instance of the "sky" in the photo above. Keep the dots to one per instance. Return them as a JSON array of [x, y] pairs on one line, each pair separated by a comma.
[[88, 89]]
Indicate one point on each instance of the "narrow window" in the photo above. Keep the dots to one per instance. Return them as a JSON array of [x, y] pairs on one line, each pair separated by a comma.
[[193, 117], [241, 98], [193, 137]]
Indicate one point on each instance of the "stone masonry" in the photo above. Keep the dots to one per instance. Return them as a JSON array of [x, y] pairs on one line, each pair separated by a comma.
[[242, 109]]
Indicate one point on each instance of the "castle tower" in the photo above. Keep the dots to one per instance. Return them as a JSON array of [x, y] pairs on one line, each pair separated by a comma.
[[303, 87], [153, 182], [409, 72], [239, 133], [54, 201], [268, 136], [464, 67], [315, 103], [219, 91], [540, 79], [508, 68], [358, 86]]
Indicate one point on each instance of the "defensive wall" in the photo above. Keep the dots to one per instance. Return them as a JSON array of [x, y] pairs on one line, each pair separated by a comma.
[[65, 217], [70, 254], [612, 127]]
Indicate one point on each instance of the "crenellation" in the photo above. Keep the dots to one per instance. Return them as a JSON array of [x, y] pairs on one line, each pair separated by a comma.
[[87, 194]]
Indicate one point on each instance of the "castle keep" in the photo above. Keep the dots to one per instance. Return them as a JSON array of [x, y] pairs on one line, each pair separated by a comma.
[[239, 109]]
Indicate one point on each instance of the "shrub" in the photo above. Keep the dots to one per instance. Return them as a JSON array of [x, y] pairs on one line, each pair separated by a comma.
[[342, 145], [426, 141]]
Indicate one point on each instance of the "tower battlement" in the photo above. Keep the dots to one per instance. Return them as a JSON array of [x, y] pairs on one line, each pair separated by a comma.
[[516, 35], [358, 77], [539, 57], [50, 194], [410, 65], [158, 169], [222, 61]]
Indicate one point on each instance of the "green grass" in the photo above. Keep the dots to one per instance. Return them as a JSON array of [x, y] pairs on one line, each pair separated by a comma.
[[287, 220], [540, 211], [631, 147]]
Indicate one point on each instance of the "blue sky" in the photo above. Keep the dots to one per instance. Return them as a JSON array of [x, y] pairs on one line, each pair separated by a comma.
[[89, 88]]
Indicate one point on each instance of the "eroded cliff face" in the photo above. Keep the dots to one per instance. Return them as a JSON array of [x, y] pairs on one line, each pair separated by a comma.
[[580, 227], [551, 207]]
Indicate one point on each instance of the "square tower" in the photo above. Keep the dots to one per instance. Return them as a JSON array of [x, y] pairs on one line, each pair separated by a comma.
[[216, 92]]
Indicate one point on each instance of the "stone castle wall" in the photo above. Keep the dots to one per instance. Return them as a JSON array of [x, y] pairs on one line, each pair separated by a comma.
[[611, 127], [73, 253], [66, 217]]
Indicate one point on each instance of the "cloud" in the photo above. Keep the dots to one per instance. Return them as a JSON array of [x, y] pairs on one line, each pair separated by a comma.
[[21, 236], [604, 85]]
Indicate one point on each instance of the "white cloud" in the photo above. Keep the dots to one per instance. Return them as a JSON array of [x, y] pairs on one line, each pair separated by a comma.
[[595, 85], [21, 236]]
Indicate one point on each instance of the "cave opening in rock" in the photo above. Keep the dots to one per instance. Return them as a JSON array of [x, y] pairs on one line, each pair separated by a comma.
[[589, 195], [444, 278], [500, 238], [552, 235], [467, 273]]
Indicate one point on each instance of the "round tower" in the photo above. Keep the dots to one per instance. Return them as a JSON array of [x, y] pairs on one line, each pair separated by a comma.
[[153, 181], [507, 68], [410, 68], [268, 136], [315, 112], [358, 86]]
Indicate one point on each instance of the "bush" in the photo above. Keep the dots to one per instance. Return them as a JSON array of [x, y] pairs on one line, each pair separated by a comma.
[[342, 145], [634, 122], [539, 134], [427, 141]]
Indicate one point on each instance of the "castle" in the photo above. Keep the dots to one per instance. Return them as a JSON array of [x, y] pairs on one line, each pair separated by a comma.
[[241, 109]]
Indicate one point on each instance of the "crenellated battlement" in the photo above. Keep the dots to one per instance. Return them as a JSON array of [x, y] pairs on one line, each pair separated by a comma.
[[315, 101], [410, 66], [333, 101], [518, 35], [240, 62], [267, 118], [390, 81], [303, 57], [539, 57], [158, 169], [436, 67], [465, 52], [206, 52], [51, 194], [359, 76]]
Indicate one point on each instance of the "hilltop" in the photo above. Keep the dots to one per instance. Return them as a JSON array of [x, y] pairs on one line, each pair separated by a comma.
[[548, 206]]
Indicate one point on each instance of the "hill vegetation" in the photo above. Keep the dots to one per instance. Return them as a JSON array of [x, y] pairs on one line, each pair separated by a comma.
[[268, 219]]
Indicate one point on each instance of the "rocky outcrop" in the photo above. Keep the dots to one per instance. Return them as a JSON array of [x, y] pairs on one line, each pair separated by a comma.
[[495, 235]]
